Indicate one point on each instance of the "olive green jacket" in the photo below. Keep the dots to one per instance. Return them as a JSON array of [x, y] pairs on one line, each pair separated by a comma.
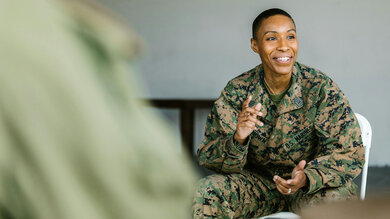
[[313, 122], [75, 141]]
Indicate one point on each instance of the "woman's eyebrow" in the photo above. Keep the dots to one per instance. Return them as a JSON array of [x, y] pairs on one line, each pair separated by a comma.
[[272, 31]]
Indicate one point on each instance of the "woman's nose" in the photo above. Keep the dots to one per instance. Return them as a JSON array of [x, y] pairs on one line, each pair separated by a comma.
[[282, 45]]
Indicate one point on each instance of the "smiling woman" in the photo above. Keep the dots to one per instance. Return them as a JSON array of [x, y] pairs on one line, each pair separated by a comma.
[[282, 136]]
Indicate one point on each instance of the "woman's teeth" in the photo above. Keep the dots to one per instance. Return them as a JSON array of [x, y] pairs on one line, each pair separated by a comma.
[[283, 59]]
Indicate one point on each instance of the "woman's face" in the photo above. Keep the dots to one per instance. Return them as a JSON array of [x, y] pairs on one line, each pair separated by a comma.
[[276, 44]]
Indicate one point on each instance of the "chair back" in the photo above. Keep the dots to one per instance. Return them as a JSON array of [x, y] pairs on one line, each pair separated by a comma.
[[366, 129]]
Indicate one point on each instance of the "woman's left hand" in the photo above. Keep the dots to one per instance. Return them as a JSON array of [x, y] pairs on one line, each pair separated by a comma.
[[297, 181]]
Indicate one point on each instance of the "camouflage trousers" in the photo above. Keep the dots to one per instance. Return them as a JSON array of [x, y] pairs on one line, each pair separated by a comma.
[[243, 195]]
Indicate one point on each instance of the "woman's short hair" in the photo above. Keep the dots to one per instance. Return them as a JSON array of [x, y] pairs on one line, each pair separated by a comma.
[[266, 14]]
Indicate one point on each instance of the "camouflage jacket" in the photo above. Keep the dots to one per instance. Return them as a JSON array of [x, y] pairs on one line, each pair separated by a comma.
[[313, 122]]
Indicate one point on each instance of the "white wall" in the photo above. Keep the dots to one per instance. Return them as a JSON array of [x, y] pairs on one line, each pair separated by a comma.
[[196, 46]]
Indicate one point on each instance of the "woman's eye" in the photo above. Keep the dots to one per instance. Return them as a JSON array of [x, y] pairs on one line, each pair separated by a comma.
[[271, 38], [291, 37]]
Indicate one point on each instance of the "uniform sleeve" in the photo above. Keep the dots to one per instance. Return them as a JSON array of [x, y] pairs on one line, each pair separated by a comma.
[[219, 151], [341, 153]]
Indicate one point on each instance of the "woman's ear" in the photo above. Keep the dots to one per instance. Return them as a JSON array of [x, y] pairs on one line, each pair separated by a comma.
[[254, 46]]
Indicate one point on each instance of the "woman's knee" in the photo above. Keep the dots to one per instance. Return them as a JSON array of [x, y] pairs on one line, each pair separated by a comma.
[[342, 193]]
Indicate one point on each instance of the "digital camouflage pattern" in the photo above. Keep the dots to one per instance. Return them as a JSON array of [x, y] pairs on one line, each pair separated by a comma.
[[313, 122], [243, 195]]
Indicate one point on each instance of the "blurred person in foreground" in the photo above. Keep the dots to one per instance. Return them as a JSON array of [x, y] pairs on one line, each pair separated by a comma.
[[75, 143], [281, 136], [373, 207]]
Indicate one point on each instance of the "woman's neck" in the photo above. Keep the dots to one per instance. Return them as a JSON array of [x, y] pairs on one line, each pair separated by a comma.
[[277, 83]]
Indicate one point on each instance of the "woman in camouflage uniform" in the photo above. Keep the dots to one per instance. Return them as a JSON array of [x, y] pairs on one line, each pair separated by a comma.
[[281, 136]]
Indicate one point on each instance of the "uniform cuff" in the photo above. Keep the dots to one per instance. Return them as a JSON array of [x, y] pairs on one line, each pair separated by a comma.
[[314, 180], [235, 149]]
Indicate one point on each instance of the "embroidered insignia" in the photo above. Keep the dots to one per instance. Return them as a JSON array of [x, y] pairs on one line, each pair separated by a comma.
[[298, 101]]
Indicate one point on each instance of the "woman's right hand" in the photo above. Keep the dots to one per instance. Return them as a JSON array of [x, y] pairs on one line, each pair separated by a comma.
[[247, 121]]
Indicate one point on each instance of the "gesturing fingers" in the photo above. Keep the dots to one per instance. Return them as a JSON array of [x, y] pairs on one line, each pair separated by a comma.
[[253, 120], [249, 114], [246, 103], [280, 180], [283, 186], [250, 111], [247, 120], [247, 124], [284, 190]]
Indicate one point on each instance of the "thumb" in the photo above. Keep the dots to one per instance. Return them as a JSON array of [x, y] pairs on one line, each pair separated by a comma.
[[246, 102], [302, 164]]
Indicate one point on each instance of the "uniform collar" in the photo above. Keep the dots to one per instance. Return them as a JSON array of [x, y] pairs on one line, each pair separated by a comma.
[[292, 100]]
